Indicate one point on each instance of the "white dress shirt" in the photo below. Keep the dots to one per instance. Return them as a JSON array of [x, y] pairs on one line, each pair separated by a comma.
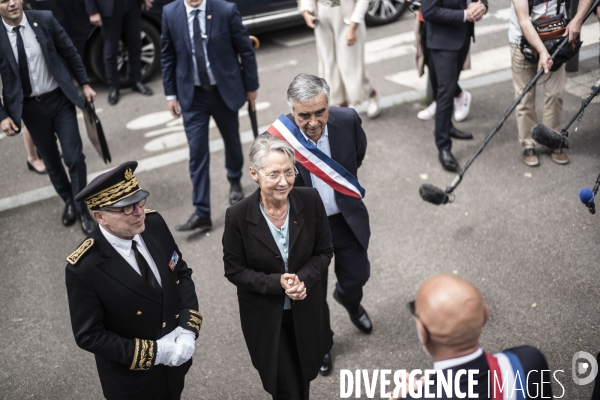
[[453, 362], [41, 79], [190, 21], [123, 247], [327, 192]]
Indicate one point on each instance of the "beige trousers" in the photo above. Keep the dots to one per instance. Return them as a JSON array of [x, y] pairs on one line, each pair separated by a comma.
[[342, 66], [554, 86]]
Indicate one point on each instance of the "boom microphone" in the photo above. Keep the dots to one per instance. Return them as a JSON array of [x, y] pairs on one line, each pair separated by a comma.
[[549, 137], [587, 197], [433, 194]]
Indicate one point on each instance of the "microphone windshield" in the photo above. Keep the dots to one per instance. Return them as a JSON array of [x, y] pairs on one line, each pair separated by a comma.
[[548, 137], [586, 196], [433, 194]]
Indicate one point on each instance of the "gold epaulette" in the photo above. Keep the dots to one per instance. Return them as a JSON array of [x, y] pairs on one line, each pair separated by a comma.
[[143, 356], [76, 255], [149, 211]]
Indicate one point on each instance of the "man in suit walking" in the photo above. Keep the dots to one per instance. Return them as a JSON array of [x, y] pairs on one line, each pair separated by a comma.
[[38, 88], [450, 314], [131, 295], [449, 27], [120, 19], [209, 69], [336, 132]]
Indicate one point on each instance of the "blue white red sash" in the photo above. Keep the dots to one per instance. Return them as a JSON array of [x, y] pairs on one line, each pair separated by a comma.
[[507, 380], [315, 160]]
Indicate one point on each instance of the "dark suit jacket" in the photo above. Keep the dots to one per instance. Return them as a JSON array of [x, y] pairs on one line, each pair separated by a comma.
[[56, 47], [228, 43], [253, 263], [445, 28], [104, 7], [531, 359], [116, 314], [348, 143]]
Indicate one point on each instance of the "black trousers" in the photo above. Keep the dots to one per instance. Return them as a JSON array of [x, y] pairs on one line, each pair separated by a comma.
[[447, 65], [290, 383], [351, 264], [173, 393], [429, 63], [126, 23], [47, 120]]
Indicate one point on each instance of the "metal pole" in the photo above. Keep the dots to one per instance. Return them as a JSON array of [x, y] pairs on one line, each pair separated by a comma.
[[573, 64]]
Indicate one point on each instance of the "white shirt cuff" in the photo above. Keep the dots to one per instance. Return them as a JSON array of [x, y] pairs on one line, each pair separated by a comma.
[[464, 18], [172, 97]]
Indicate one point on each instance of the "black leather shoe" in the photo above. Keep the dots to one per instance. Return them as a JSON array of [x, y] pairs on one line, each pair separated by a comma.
[[141, 88], [235, 193], [87, 222], [327, 366], [361, 319], [34, 169], [113, 96], [69, 215], [448, 161], [458, 134], [195, 222]]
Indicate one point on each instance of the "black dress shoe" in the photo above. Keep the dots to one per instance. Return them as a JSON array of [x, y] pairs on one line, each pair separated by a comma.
[[327, 366], [360, 319], [235, 193], [113, 96], [195, 222], [141, 88], [87, 222], [34, 169], [69, 215], [458, 134], [448, 161]]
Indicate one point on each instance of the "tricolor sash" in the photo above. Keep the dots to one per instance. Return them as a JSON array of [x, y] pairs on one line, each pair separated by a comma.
[[317, 162], [507, 380]]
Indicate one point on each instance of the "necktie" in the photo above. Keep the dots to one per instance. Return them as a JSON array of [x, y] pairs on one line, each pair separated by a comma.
[[147, 273], [23, 69], [199, 51]]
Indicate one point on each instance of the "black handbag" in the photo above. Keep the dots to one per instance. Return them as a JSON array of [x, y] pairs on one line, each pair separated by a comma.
[[550, 31], [95, 132]]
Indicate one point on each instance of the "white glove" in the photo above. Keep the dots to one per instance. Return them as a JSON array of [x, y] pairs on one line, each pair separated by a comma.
[[185, 347], [166, 347]]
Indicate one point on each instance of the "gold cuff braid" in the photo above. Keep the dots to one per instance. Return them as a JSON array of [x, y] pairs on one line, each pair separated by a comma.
[[143, 356]]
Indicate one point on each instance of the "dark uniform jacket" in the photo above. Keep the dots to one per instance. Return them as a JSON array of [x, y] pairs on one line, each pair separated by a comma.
[[56, 46], [348, 143], [118, 316], [253, 263]]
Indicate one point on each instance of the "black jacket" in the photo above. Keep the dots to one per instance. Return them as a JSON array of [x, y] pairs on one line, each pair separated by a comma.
[[348, 143], [253, 263], [117, 316], [56, 47]]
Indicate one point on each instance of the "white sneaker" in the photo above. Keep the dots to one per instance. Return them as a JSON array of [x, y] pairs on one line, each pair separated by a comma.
[[428, 113], [373, 108], [462, 105]]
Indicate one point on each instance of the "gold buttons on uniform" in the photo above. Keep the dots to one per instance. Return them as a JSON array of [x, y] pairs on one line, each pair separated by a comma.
[[139, 313], [164, 324], [176, 315]]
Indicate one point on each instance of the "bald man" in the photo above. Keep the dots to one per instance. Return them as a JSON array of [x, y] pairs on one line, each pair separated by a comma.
[[450, 314]]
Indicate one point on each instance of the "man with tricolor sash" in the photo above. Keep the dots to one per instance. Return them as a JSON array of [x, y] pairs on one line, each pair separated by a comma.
[[450, 314], [330, 146]]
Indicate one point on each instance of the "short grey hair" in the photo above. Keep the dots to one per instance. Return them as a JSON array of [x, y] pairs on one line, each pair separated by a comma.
[[266, 143], [306, 87]]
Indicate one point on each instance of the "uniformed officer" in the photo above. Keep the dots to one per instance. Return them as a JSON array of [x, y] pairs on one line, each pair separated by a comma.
[[131, 296]]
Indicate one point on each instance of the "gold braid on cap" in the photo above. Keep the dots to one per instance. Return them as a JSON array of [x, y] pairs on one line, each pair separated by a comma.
[[114, 193]]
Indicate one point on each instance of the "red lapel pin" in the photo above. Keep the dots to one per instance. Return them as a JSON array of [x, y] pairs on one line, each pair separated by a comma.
[[295, 222]]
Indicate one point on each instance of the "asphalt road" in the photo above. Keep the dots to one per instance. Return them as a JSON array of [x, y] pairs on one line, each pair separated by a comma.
[[519, 233]]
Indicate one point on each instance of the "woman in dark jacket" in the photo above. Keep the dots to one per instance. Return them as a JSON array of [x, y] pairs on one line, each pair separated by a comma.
[[276, 246]]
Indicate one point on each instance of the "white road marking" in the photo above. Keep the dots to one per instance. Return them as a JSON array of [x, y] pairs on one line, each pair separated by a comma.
[[150, 120]]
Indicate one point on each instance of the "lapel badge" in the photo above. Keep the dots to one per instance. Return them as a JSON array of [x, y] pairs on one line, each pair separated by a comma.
[[173, 262], [35, 24], [208, 16], [295, 222]]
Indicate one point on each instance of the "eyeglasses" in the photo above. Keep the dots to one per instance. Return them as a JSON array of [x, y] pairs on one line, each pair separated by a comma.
[[127, 210], [276, 176], [412, 309]]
